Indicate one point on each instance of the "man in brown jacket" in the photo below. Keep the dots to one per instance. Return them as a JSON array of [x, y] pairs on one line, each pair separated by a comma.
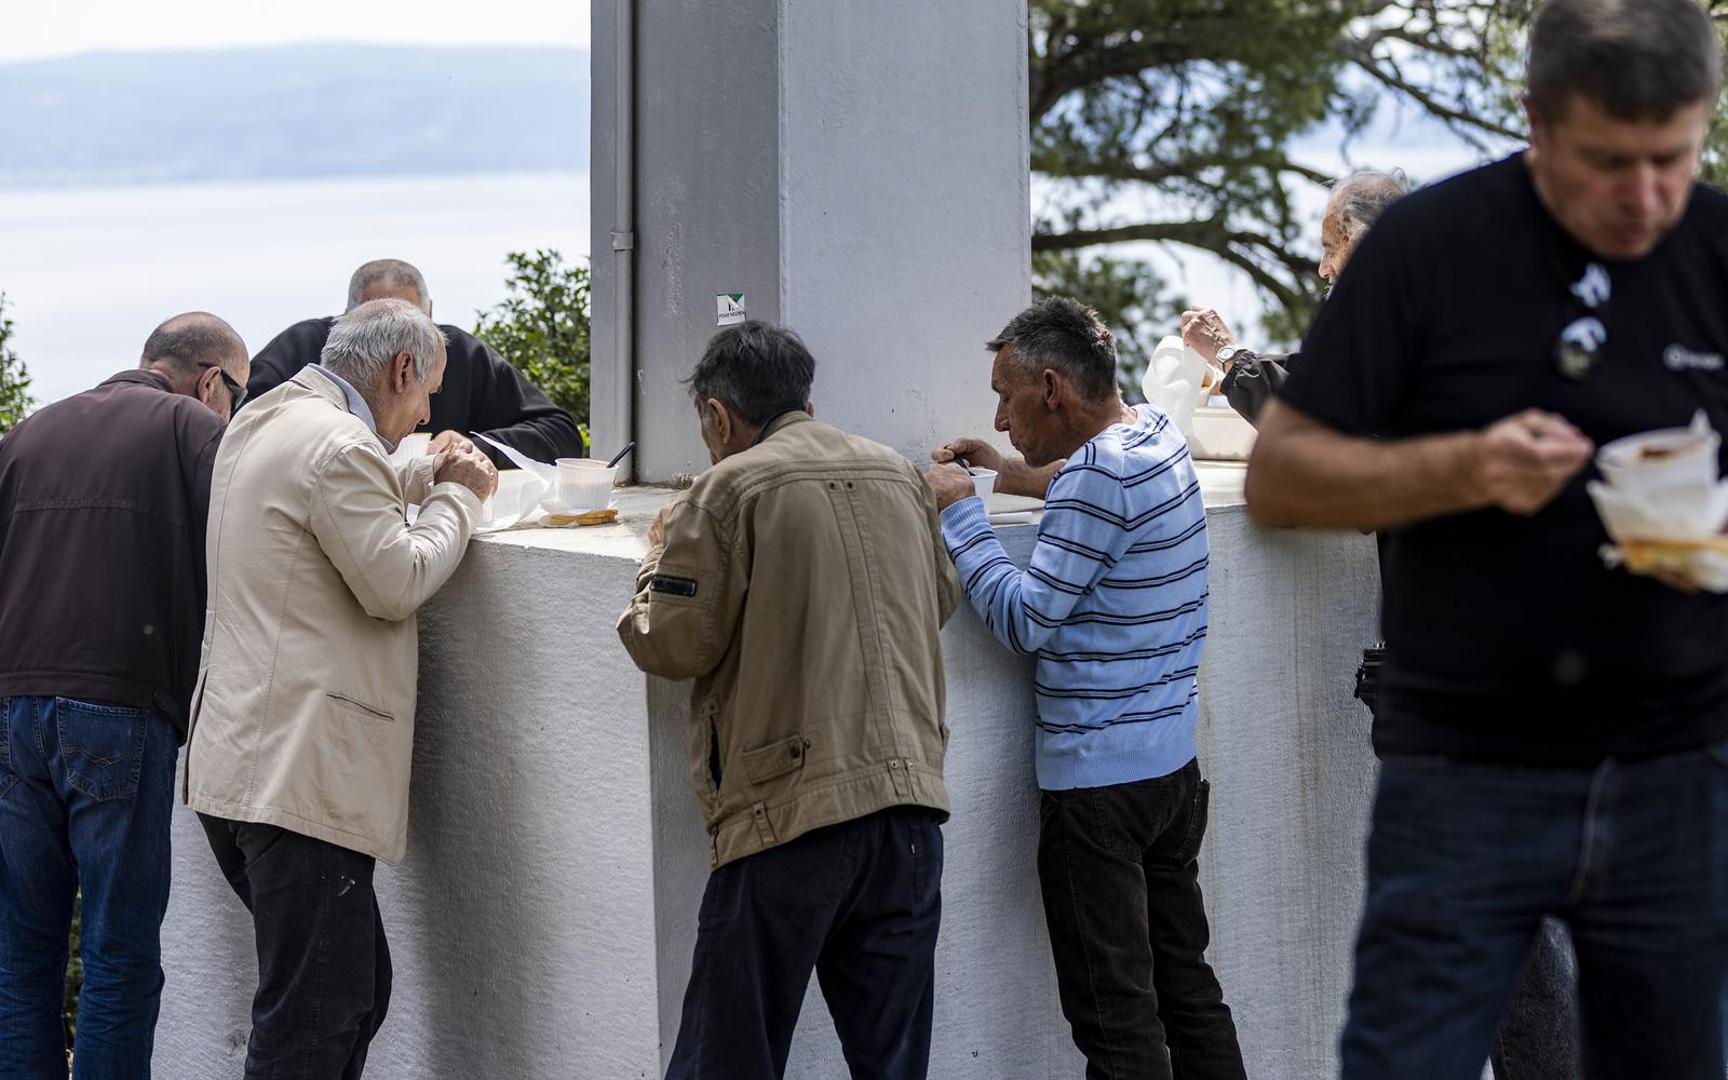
[[303, 717], [802, 583], [102, 504]]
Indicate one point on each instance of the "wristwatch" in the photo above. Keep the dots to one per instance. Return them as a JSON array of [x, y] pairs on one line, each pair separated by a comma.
[[1229, 353]]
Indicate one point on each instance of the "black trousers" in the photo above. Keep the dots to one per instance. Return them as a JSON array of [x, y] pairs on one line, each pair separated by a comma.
[[323, 965], [857, 903], [1128, 929]]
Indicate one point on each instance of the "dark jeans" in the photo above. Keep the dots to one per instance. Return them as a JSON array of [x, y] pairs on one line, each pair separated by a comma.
[[323, 965], [1465, 861], [858, 903], [85, 795], [1128, 929]]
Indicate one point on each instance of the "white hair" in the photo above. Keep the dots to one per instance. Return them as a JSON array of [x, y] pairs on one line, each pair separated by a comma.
[[1361, 197], [364, 341]]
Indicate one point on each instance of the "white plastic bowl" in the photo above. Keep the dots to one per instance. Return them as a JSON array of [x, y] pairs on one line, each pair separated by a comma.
[[582, 484]]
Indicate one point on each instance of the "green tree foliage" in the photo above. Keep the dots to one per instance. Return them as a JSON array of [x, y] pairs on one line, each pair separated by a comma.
[[1173, 121], [542, 328], [14, 377]]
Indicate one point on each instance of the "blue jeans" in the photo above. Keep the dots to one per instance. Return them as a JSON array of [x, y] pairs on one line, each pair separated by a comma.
[[1465, 860], [85, 795], [857, 903]]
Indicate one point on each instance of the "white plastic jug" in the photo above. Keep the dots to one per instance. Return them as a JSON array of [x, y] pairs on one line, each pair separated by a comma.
[[1177, 381]]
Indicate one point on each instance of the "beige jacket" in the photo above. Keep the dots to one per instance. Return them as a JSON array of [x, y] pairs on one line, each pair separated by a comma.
[[303, 715], [802, 583]]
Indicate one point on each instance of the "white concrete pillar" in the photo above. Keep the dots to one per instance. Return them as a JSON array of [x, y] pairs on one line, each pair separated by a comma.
[[858, 172]]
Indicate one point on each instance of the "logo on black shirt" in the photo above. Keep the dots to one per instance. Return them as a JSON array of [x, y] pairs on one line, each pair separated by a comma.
[[1680, 358]]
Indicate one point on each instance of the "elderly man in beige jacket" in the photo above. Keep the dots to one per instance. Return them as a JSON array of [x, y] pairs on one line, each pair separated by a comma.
[[302, 724]]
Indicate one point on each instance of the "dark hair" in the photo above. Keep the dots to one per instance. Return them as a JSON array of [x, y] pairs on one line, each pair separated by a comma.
[[1636, 59], [1064, 334], [756, 370], [188, 342]]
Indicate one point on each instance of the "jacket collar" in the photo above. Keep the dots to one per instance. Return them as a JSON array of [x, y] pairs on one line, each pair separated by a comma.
[[311, 379], [140, 377], [781, 423]]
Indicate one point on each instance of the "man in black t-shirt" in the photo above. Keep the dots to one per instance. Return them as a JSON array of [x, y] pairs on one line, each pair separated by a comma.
[[1555, 733], [481, 391]]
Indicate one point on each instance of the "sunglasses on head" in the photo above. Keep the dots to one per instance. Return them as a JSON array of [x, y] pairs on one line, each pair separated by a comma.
[[235, 390], [1583, 339]]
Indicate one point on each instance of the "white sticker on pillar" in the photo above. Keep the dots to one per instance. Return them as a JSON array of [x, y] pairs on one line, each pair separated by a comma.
[[729, 309]]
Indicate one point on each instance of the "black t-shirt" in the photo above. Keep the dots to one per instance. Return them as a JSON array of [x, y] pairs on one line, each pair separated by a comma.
[[1509, 639]]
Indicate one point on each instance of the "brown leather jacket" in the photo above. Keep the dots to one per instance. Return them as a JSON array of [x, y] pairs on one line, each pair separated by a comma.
[[802, 583]]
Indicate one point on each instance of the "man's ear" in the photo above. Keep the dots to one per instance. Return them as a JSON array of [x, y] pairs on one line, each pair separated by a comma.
[[809, 408], [724, 424], [1050, 384], [402, 372], [206, 384]]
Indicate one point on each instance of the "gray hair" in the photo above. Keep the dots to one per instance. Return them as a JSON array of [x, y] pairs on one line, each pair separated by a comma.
[[363, 342], [1361, 197], [388, 275], [1064, 334], [1637, 59]]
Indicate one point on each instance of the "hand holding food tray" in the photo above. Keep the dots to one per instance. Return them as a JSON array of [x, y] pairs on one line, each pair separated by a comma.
[[1665, 505]]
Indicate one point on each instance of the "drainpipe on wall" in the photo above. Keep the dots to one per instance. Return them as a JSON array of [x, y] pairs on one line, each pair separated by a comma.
[[622, 403]]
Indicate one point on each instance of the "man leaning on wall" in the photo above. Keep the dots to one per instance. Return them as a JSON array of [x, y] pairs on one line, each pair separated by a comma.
[[482, 391], [102, 508], [802, 583], [303, 721], [1552, 731], [1114, 607]]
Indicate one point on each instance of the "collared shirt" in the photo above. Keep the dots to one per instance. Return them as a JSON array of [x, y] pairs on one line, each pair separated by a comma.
[[356, 404]]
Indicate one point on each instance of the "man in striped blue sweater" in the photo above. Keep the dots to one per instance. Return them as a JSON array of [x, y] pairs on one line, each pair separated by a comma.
[[1113, 605]]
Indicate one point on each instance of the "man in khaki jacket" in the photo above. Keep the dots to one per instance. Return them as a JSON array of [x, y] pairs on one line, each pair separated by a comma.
[[802, 583], [302, 725]]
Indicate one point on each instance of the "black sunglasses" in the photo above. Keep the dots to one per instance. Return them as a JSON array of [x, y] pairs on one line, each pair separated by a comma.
[[1584, 338], [235, 389]]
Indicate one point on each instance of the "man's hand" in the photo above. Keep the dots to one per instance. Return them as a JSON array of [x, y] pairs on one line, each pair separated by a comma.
[[951, 483], [449, 440], [468, 467], [978, 454], [1205, 332], [1523, 461]]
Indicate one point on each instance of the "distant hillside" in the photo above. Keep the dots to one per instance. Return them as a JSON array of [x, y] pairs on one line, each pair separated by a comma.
[[299, 111]]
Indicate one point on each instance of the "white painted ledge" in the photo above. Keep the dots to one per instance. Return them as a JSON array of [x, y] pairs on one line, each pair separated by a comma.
[[543, 922]]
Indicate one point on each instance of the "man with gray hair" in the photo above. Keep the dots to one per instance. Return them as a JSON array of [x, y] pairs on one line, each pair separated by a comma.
[[1250, 378], [302, 728], [481, 391], [1553, 732]]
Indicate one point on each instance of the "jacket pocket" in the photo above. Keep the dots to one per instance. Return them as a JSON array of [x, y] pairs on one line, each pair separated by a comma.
[[102, 747], [776, 759], [360, 707]]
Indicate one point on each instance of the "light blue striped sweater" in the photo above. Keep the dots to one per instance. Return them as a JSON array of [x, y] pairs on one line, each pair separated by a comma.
[[1113, 604]]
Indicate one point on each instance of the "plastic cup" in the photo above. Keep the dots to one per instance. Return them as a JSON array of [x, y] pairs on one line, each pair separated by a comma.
[[983, 482], [583, 484]]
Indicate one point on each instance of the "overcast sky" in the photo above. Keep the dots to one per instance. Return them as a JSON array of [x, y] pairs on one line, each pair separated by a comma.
[[35, 30]]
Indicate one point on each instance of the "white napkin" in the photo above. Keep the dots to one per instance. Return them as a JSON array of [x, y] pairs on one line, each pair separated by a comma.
[[1664, 486], [1178, 380]]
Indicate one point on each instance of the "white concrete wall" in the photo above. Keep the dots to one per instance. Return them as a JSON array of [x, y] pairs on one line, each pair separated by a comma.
[[543, 922]]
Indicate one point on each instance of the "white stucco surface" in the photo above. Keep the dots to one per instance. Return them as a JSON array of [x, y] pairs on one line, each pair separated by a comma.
[[543, 921]]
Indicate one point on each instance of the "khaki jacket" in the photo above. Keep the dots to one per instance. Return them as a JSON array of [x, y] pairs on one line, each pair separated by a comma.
[[802, 583], [303, 716]]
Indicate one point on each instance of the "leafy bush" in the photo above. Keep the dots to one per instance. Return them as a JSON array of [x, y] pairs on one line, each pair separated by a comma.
[[14, 377], [541, 327]]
